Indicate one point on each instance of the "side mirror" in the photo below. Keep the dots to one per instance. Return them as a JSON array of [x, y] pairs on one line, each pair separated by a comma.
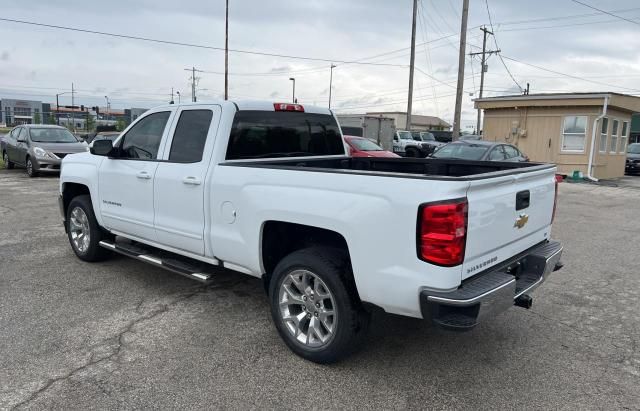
[[395, 138], [102, 148]]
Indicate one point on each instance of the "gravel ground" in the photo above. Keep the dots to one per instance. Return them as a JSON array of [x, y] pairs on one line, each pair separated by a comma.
[[121, 334]]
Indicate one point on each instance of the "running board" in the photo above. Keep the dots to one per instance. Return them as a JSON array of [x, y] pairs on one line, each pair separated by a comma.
[[184, 266]]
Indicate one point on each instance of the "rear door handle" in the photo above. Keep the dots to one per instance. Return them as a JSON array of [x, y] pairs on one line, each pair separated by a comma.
[[143, 175], [191, 181]]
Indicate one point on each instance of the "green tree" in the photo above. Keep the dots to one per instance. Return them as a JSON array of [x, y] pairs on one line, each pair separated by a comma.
[[121, 124], [51, 119], [36, 118], [91, 122]]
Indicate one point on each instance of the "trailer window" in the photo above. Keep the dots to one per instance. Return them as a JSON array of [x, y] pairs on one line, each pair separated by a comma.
[[271, 134]]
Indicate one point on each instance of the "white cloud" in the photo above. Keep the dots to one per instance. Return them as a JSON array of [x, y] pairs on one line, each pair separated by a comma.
[[39, 62]]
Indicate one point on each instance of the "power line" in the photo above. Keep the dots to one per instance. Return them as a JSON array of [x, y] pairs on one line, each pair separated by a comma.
[[495, 41], [569, 75], [606, 12], [200, 46]]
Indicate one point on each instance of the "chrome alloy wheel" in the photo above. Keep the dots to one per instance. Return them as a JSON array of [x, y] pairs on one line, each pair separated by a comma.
[[79, 229], [307, 308], [29, 167]]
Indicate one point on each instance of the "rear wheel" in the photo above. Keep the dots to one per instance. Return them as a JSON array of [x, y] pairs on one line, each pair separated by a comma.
[[7, 164], [83, 230], [314, 305], [31, 172]]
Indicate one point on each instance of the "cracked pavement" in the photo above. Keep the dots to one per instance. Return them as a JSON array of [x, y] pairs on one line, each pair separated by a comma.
[[122, 334]]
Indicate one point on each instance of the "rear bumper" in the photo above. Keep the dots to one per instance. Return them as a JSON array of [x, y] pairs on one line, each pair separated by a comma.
[[493, 291]]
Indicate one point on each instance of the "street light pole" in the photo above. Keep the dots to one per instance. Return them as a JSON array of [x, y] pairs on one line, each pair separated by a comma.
[[331, 82], [108, 105], [294, 88], [178, 93], [58, 106]]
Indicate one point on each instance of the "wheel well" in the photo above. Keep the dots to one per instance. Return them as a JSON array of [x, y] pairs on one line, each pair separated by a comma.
[[280, 239], [72, 190]]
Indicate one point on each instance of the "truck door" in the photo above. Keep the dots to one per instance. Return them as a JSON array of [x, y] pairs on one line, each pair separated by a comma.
[[179, 195], [126, 182]]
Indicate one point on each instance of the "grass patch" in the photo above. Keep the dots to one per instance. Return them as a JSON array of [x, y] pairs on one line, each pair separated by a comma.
[[1, 163]]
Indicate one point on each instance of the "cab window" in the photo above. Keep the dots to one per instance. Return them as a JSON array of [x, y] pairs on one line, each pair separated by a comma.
[[143, 140]]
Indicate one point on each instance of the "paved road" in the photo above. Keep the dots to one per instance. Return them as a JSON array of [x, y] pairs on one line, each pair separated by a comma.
[[121, 334]]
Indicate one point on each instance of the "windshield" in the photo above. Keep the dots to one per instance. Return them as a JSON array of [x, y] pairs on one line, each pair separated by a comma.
[[51, 135], [405, 135], [364, 145], [426, 136], [634, 148], [461, 151]]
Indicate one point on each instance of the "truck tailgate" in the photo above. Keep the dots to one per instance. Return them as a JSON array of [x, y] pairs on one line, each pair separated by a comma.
[[507, 215]]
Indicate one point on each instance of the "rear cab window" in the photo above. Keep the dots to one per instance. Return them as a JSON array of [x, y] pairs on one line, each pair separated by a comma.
[[272, 134]]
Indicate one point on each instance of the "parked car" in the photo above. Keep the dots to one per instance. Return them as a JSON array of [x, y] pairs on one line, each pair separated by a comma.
[[481, 151], [274, 195], [39, 148], [378, 129], [443, 136], [363, 147], [429, 138], [405, 145], [633, 159]]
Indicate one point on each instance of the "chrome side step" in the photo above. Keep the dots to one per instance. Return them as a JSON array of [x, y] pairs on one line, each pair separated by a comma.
[[189, 268]]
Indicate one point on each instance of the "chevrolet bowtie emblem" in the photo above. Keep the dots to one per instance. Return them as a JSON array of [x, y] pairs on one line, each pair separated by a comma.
[[521, 221]]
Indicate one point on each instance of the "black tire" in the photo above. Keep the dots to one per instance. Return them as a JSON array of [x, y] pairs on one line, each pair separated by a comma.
[[7, 164], [93, 252], [412, 152], [31, 171], [332, 266]]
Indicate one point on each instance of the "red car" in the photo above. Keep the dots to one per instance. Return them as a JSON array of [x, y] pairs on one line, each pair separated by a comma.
[[363, 147]]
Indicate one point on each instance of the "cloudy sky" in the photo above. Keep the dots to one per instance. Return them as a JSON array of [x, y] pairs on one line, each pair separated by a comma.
[[555, 45]]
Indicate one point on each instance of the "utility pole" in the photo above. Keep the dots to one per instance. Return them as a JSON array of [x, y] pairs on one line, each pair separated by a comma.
[[461, 57], [226, 53], [171, 101], [194, 81], [193, 84], [73, 105], [483, 68], [412, 61], [331, 83]]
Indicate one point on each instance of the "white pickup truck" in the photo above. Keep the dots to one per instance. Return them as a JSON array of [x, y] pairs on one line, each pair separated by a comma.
[[266, 189]]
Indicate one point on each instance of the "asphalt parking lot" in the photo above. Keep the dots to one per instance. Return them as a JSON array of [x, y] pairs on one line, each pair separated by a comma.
[[121, 334]]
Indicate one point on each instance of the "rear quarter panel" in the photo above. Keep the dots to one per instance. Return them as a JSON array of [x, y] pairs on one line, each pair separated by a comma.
[[376, 215]]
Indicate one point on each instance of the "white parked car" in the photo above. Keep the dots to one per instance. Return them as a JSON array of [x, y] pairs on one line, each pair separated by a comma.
[[267, 189]]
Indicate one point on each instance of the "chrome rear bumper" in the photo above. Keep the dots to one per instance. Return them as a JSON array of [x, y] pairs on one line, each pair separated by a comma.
[[493, 291]]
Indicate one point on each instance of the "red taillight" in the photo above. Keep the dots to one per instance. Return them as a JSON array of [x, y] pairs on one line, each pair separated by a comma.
[[288, 107], [555, 201], [442, 232]]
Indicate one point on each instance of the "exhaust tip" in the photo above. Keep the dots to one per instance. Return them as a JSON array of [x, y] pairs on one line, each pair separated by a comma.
[[524, 301]]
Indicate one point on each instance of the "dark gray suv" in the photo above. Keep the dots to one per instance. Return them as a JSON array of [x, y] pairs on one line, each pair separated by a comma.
[[39, 148]]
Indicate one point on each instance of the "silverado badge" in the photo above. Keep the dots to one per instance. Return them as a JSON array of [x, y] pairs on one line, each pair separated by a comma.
[[521, 221]]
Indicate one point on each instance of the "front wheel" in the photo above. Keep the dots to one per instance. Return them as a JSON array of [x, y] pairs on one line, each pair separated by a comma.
[[314, 305], [31, 171], [412, 152], [83, 230]]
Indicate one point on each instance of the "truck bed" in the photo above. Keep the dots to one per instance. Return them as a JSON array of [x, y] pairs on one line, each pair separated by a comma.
[[423, 168]]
